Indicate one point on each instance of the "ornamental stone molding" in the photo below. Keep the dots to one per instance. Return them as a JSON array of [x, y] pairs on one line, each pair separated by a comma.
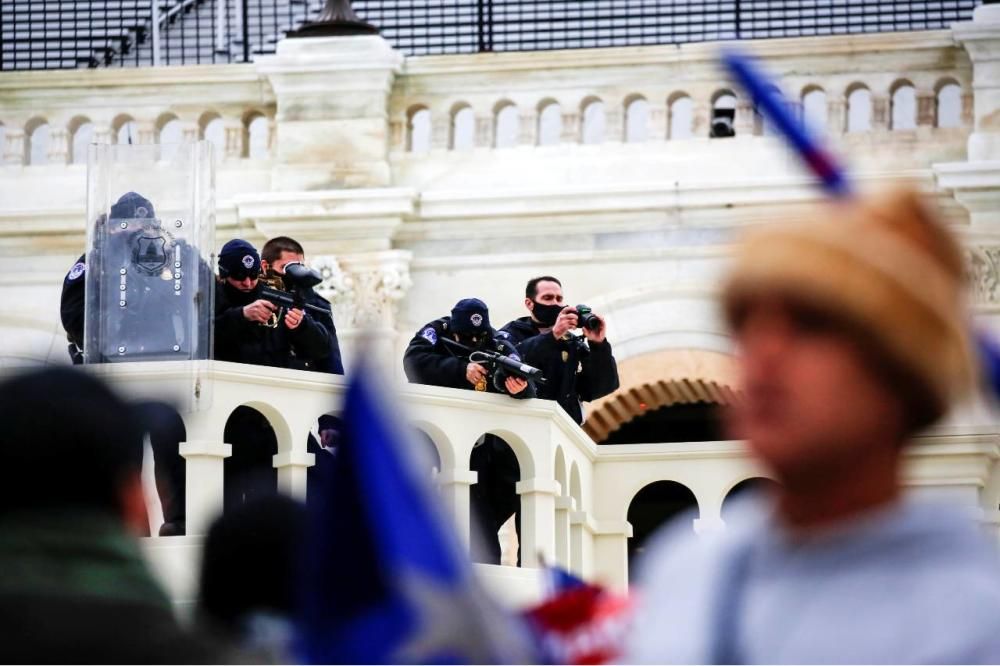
[[984, 273], [365, 290]]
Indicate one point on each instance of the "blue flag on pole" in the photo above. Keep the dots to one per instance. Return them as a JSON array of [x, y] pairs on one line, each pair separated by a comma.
[[385, 578]]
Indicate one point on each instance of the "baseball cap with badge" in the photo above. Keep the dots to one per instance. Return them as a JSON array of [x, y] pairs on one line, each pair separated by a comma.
[[131, 205], [470, 316], [239, 260]]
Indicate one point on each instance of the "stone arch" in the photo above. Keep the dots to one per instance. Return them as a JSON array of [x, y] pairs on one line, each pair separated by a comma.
[[593, 120], [813, 106], [723, 122], [660, 379], [575, 487], [462, 127], [211, 129], [506, 124], [81, 134], [122, 128], [740, 485], [418, 129], [256, 135], [168, 134], [549, 122], [560, 472], [249, 472], [443, 444], [680, 116], [859, 108], [903, 105], [636, 108], [652, 506], [948, 103], [36, 147]]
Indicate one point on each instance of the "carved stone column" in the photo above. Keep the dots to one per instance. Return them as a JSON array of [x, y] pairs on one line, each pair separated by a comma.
[[233, 133], [570, 128], [981, 38], [365, 291], [13, 147], [745, 120], [189, 131], [836, 115], [657, 130], [538, 509], [58, 150], [103, 134], [926, 108], [880, 112], [484, 131], [440, 130], [332, 98], [614, 128], [145, 132], [701, 114], [528, 131]]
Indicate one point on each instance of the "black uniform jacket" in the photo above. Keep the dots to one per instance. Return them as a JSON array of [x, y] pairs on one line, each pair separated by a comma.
[[332, 363], [71, 304], [243, 341], [429, 361], [570, 377]]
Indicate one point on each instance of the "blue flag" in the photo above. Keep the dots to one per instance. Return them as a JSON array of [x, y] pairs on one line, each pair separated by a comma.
[[385, 578]]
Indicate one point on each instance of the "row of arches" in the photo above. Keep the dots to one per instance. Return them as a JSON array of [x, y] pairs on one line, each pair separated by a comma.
[[45, 143], [549, 124]]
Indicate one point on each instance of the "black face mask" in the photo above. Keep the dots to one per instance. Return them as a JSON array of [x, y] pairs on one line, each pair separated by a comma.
[[547, 314], [473, 342]]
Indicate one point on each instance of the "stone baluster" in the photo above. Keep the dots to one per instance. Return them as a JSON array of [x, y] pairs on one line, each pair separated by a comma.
[[204, 453], [484, 131], [538, 509], [614, 124], [528, 130], [657, 129], [880, 112], [440, 131], [103, 134], [571, 128], [58, 148], [745, 121], [565, 505], [13, 147], [145, 132], [233, 133], [926, 108], [836, 115]]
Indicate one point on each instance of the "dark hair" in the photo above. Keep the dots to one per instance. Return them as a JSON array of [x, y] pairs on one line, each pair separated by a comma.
[[531, 290], [249, 562], [68, 441], [273, 248]]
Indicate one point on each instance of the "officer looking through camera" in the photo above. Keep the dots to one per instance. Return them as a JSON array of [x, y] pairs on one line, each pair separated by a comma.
[[577, 367]]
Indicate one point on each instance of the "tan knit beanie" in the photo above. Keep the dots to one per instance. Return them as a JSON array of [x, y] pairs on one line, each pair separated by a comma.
[[884, 264]]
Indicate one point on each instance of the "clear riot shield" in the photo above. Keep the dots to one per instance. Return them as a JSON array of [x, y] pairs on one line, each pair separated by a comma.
[[151, 227]]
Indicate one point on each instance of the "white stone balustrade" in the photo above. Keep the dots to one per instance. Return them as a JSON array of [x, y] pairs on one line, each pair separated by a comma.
[[575, 495]]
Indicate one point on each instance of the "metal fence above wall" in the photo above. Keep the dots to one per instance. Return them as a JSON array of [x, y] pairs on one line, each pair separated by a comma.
[[60, 34]]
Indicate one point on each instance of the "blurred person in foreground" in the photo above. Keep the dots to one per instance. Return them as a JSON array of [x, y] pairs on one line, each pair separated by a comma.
[[74, 587], [247, 589], [852, 337]]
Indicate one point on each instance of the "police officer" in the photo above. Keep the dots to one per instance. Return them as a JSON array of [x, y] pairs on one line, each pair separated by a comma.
[[576, 368], [430, 360], [150, 300], [283, 250], [250, 329]]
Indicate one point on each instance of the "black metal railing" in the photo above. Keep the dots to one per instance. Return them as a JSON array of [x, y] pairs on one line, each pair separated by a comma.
[[59, 34]]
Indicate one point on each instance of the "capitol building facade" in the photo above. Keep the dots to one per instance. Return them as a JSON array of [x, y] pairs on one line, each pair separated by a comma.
[[416, 181]]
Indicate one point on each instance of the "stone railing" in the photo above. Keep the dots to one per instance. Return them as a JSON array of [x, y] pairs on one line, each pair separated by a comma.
[[575, 496]]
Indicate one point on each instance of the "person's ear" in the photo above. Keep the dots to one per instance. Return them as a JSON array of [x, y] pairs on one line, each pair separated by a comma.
[[133, 505], [263, 266], [530, 304]]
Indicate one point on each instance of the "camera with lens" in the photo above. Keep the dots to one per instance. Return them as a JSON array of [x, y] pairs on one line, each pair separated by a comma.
[[587, 319]]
